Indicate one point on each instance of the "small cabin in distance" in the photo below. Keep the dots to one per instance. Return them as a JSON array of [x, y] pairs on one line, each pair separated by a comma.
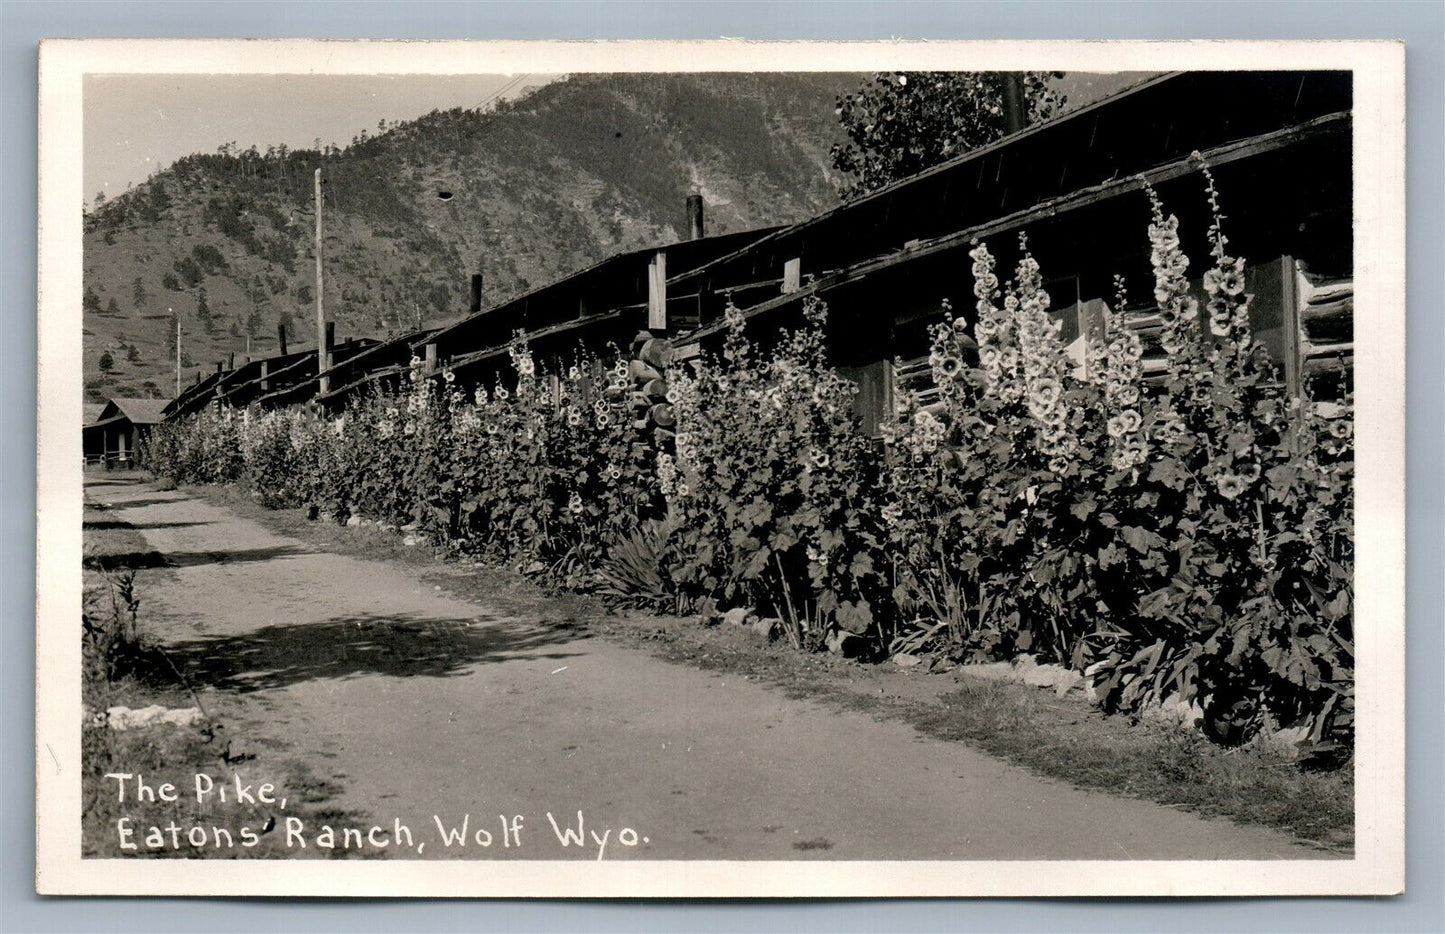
[[120, 430]]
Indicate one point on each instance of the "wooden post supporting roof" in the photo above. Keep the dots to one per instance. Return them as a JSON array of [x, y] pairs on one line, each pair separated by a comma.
[[1289, 281], [657, 292], [1092, 322], [792, 275], [873, 402]]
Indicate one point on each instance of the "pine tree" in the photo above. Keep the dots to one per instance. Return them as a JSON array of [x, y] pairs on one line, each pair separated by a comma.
[[203, 310]]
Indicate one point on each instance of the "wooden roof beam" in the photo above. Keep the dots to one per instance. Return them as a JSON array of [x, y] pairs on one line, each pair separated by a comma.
[[1331, 124]]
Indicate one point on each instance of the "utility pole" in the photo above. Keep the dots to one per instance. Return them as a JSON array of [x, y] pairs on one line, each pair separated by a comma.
[[178, 352], [320, 311]]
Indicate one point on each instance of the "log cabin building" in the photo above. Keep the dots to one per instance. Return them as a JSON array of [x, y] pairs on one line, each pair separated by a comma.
[[1278, 144], [600, 307]]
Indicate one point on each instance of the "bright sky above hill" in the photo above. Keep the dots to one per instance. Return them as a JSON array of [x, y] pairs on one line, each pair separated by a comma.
[[138, 124]]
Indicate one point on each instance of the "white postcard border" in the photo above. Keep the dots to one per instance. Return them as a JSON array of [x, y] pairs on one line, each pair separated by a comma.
[[1379, 146]]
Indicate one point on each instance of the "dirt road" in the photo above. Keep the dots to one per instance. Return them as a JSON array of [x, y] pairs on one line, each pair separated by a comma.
[[430, 711]]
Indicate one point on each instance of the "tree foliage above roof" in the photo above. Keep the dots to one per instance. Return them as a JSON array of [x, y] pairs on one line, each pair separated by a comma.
[[900, 123]]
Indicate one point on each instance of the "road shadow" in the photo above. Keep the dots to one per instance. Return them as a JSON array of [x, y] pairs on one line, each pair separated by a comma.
[[144, 560], [144, 501], [403, 646], [113, 481], [99, 525]]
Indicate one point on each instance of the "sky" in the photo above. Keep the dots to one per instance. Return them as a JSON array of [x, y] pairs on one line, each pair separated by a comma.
[[138, 124]]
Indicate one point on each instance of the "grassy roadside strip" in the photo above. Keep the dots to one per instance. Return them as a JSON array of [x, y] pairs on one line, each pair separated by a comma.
[[1064, 737], [125, 668]]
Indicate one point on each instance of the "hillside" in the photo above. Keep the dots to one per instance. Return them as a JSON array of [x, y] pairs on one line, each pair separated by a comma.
[[526, 193]]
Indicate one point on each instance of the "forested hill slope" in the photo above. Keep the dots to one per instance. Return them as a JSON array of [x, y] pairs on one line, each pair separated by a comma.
[[543, 186]]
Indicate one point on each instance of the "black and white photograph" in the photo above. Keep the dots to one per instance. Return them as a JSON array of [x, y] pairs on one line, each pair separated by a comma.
[[721, 468]]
